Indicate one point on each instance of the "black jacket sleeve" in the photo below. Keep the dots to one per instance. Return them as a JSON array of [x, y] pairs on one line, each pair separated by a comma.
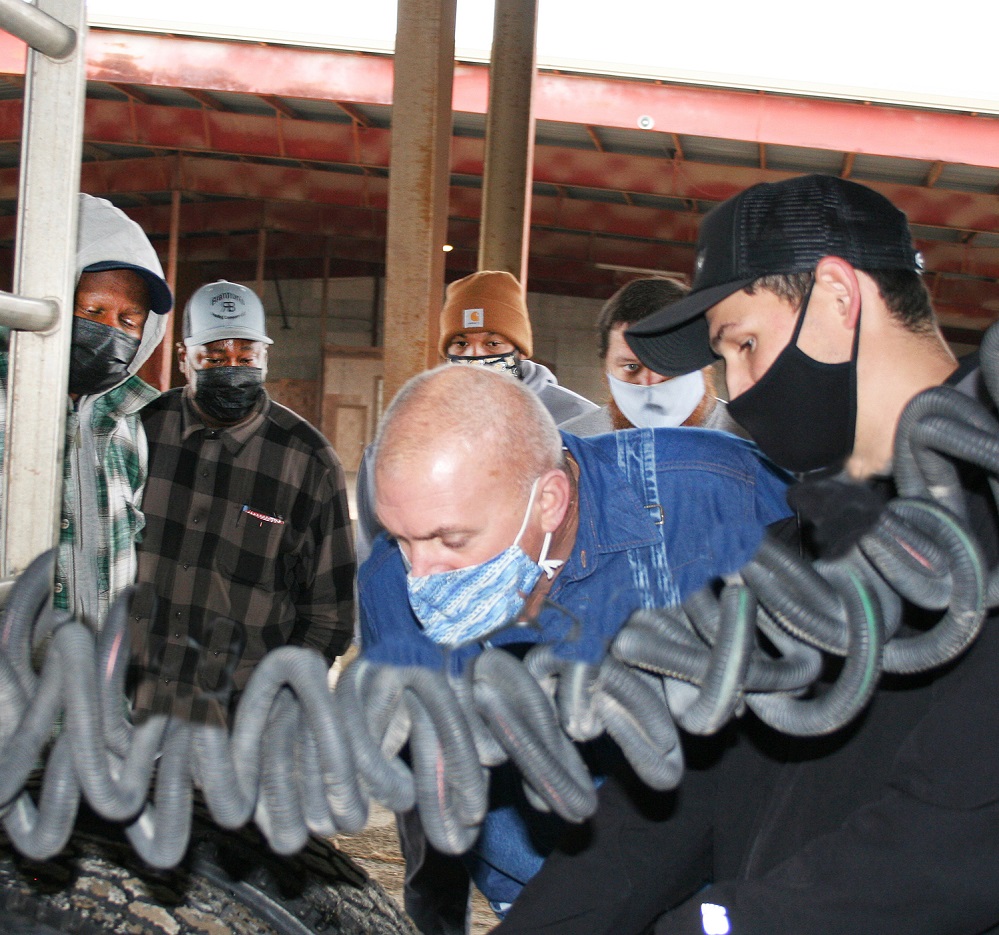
[[919, 859]]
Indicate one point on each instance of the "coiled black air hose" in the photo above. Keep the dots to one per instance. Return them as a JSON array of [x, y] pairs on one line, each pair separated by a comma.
[[302, 761]]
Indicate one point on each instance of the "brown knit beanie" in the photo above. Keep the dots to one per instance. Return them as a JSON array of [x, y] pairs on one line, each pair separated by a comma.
[[490, 300]]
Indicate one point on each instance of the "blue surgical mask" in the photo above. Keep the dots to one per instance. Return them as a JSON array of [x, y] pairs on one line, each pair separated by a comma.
[[661, 405], [467, 604]]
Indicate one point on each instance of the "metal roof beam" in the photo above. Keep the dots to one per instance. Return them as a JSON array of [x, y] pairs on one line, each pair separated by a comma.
[[308, 141], [225, 178], [177, 62]]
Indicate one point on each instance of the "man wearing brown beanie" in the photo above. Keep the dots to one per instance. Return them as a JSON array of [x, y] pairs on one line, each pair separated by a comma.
[[484, 321]]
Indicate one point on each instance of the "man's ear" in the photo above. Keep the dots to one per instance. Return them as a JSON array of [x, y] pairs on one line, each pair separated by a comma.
[[838, 281], [183, 364], [554, 492]]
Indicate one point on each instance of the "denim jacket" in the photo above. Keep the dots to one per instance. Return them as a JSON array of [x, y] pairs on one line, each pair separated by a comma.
[[661, 513]]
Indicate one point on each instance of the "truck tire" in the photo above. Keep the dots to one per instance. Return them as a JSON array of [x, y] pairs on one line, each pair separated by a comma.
[[230, 883]]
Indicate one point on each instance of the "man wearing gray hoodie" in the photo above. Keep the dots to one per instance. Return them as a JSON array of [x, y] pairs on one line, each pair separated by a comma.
[[120, 304]]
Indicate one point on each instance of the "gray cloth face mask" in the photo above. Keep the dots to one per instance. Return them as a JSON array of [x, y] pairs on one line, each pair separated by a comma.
[[661, 405]]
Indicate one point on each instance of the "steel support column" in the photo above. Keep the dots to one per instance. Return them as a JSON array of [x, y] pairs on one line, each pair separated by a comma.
[[261, 261], [158, 370], [324, 301], [509, 161], [418, 186]]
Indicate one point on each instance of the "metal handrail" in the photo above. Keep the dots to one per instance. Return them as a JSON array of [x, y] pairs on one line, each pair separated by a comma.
[[24, 314], [42, 32], [40, 307]]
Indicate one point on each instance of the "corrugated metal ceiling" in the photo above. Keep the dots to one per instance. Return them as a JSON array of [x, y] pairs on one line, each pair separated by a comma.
[[634, 193]]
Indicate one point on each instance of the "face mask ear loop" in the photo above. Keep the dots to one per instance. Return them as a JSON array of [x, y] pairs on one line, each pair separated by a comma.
[[801, 316], [548, 565], [527, 512], [855, 353]]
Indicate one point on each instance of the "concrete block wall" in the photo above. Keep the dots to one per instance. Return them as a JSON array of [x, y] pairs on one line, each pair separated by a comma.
[[565, 338], [350, 321]]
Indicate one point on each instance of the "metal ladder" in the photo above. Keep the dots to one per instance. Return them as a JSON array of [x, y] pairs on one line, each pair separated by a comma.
[[40, 309]]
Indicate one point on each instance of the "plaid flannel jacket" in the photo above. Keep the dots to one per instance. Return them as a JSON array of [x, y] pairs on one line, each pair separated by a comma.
[[248, 541], [104, 550], [107, 551]]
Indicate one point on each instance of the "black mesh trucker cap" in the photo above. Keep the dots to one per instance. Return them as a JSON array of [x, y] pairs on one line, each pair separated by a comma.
[[773, 227]]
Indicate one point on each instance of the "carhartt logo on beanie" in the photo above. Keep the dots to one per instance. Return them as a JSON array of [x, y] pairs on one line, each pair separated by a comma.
[[490, 300]]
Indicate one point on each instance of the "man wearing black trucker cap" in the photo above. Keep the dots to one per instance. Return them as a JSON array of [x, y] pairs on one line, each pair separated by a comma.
[[810, 290], [798, 246]]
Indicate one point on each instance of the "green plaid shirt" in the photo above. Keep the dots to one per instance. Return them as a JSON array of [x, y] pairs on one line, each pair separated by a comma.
[[105, 549]]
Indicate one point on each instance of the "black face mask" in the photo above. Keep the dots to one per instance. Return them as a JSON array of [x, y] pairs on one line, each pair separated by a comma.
[[802, 413], [99, 357], [227, 394]]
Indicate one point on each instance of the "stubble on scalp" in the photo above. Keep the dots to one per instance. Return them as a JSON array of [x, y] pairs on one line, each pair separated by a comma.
[[488, 418]]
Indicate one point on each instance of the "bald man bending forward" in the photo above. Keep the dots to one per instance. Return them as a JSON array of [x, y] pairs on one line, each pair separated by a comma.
[[484, 502]]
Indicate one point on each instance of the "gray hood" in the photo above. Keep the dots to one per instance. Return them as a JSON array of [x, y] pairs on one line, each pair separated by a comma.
[[107, 234], [535, 376], [561, 402]]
